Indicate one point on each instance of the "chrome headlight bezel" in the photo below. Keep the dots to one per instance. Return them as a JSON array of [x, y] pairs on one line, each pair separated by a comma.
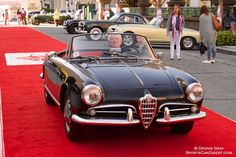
[[195, 92], [90, 90]]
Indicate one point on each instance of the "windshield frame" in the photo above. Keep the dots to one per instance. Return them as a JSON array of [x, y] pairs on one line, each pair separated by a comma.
[[72, 38], [114, 17]]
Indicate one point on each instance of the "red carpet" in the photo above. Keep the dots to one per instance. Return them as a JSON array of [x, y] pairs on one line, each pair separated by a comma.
[[33, 129]]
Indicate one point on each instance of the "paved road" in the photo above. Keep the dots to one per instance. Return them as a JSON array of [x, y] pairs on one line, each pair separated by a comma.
[[219, 79]]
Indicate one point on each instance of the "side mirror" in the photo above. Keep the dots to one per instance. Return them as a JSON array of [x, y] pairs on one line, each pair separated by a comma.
[[50, 54], [159, 55]]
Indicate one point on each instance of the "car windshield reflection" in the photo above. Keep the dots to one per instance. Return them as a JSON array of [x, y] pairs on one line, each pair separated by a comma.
[[110, 45]]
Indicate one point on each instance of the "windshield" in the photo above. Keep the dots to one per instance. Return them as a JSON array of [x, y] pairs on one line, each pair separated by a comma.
[[110, 45], [114, 17]]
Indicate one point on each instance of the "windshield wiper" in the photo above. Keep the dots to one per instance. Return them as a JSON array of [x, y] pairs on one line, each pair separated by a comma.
[[86, 58]]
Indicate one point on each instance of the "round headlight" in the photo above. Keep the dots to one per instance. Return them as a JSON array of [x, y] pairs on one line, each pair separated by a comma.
[[195, 92], [91, 94]]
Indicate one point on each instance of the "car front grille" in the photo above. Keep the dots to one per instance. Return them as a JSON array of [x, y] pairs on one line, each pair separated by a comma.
[[147, 109]]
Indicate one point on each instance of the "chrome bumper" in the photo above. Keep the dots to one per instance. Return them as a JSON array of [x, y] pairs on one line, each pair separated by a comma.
[[83, 121], [168, 120]]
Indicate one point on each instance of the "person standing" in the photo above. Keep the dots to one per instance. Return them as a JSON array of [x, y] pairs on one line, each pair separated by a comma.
[[6, 17], [111, 13], [175, 25], [226, 21], [208, 34], [56, 16], [23, 16], [18, 14], [158, 18], [219, 13], [158, 14], [233, 22]]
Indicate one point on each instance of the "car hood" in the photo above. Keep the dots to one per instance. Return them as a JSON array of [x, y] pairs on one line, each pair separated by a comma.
[[124, 77]]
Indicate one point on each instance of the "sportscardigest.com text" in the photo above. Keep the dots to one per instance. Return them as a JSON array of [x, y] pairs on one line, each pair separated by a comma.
[[212, 150]]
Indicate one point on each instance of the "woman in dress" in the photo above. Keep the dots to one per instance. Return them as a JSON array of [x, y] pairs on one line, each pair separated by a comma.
[[208, 34]]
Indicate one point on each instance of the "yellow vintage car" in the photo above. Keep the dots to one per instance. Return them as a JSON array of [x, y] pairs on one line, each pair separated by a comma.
[[156, 34]]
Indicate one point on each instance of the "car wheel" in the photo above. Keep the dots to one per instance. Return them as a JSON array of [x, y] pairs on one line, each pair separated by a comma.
[[48, 98], [187, 43], [94, 31], [182, 128], [128, 39], [73, 29], [71, 128]]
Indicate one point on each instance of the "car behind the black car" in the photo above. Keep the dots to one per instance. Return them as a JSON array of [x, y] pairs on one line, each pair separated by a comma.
[[118, 81]]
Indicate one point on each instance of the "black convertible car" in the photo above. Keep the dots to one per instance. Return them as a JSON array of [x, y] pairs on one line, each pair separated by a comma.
[[117, 80], [90, 26]]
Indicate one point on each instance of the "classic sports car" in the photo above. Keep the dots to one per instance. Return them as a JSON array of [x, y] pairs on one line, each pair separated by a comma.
[[89, 26], [71, 26], [156, 34], [112, 81]]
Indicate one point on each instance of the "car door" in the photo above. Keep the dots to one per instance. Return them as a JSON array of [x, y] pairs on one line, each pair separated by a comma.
[[159, 35], [51, 72]]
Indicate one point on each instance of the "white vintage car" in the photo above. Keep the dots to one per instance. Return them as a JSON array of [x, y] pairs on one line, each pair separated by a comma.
[[156, 33]]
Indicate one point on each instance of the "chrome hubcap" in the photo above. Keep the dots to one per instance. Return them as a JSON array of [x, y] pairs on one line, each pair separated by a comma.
[[128, 40], [95, 31], [188, 42]]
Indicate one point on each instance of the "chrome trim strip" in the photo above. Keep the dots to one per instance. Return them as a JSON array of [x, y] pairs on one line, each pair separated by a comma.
[[135, 74], [182, 118], [180, 109], [172, 103], [110, 112], [82, 32], [55, 100], [112, 106], [75, 118]]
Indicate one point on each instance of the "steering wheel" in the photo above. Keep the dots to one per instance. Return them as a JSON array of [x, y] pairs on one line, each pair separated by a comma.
[[130, 50]]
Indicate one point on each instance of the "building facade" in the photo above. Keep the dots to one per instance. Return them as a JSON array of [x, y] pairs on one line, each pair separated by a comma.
[[13, 5]]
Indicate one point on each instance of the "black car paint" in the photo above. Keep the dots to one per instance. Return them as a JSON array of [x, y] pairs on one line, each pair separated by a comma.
[[169, 84], [70, 23], [104, 24]]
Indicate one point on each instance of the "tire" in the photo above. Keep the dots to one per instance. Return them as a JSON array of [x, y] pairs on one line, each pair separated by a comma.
[[187, 43], [72, 129], [95, 30], [128, 39], [182, 128], [36, 22], [72, 29], [48, 98]]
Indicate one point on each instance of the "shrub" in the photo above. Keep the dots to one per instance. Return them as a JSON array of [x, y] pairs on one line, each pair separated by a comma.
[[225, 38], [47, 19], [48, 10]]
